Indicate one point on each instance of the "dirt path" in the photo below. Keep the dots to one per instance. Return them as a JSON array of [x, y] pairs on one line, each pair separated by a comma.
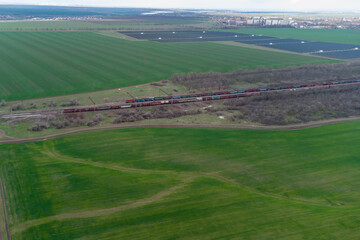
[[157, 197], [218, 126], [51, 152]]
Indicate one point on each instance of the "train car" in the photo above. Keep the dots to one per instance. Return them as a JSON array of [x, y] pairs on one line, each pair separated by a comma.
[[186, 100], [227, 96], [221, 93], [115, 106], [103, 108], [69, 110], [252, 90], [130, 101], [155, 103], [134, 105], [125, 106], [158, 98], [146, 104], [215, 97], [263, 89]]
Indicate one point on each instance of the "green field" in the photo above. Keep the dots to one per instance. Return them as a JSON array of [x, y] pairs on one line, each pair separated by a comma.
[[50, 25], [56, 25], [41, 64], [222, 184], [348, 36]]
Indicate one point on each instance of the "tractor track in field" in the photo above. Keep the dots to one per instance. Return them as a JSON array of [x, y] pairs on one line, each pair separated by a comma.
[[188, 178], [139, 203], [156, 125], [51, 152]]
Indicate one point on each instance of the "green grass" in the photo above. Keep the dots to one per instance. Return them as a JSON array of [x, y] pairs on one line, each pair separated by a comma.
[[49, 184], [348, 36], [246, 184], [50, 25], [58, 25], [42, 64]]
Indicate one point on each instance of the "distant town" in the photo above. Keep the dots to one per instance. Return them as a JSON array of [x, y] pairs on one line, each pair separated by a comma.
[[298, 22]]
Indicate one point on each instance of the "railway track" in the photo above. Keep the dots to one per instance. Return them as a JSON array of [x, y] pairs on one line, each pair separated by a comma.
[[200, 97]]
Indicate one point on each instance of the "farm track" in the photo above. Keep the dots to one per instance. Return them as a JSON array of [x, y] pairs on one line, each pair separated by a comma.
[[139, 203], [215, 126], [51, 152]]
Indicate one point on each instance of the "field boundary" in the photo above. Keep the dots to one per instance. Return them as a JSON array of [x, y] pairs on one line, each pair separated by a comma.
[[154, 125]]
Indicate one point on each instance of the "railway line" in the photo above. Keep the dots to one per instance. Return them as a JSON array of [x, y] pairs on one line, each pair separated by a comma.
[[157, 101], [212, 96]]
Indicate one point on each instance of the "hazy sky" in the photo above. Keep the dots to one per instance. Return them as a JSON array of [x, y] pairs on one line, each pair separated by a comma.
[[288, 5]]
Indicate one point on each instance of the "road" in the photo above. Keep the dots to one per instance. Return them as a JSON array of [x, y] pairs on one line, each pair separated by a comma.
[[218, 126]]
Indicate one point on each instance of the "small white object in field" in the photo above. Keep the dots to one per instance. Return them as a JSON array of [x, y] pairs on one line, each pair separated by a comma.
[[221, 117]]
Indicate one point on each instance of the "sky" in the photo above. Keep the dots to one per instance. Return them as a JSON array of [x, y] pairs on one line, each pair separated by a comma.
[[282, 5]]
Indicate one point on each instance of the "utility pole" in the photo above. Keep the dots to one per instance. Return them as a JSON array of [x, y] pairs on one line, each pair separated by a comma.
[[92, 100], [165, 92], [130, 95]]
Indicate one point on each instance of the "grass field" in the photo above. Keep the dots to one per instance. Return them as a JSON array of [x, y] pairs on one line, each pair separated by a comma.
[[142, 24], [41, 64], [226, 184], [50, 25], [348, 36]]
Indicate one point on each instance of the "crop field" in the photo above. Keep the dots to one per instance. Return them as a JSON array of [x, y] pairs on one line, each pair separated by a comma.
[[346, 36], [137, 22], [42, 64], [308, 47], [226, 184], [269, 40], [51, 25], [183, 36], [341, 54], [293, 45]]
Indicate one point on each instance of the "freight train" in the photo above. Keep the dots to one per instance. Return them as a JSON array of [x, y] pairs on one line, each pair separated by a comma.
[[238, 91], [148, 102]]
